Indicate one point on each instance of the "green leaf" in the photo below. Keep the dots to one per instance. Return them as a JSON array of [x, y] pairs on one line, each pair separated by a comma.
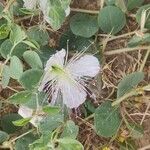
[[65, 4], [129, 82], [32, 44], [49, 123], [84, 25], [17, 35], [5, 48], [107, 120], [3, 136], [131, 4], [15, 8], [136, 131], [45, 53], [33, 59], [21, 97], [16, 67], [137, 40], [51, 110], [111, 19], [5, 76], [69, 144], [21, 122], [139, 15], [42, 143], [27, 11], [70, 130], [30, 78], [1, 7], [38, 35], [90, 106], [134, 41], [110, 2], [18, 50], [4, 31], [55, 14], [129, 144], [24, 142], [75, 42], [121, 4], [32, 102], [6, 123]]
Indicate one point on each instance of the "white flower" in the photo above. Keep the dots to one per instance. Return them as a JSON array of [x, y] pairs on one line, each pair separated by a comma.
[[69, 78], [26, 112], [30, 4]]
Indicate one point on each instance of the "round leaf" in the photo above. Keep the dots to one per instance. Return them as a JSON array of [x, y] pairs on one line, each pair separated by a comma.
[[37, 34], [134, 3], [137, 40], [6, 123], [139, 15], [69, 144], [51, 110], [106, 120], [49, 123], [111, 19], [3, 136], [70, 130], [30, 78], [121, 4], [84, 25], [75, 42], [18, 50], [33, 59], [4, 31], [23, 142], [136, 131], [5, 76], [17, 34], [21, 97], [56, 16], [129, 82], [110, 2], [16, 68]]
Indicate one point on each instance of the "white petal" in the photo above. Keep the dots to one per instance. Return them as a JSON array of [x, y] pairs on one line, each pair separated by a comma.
[[44, 6], [56, 59], [55, 92], [48, 76], [26, 112], [87, 65], [67, 11], [36, 120], [73, 94], [30, 4]]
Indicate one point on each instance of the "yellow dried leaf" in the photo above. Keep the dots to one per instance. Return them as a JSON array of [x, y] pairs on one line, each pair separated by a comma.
[[106, 148]]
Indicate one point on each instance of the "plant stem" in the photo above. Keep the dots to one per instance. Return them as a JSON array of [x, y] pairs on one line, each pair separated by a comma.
[[10, 2], [84, 11], [20, 136], [122, 35], [145, 147], [12, 89], [129, 94], [8, 58], [117, 51], [145, 59]]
